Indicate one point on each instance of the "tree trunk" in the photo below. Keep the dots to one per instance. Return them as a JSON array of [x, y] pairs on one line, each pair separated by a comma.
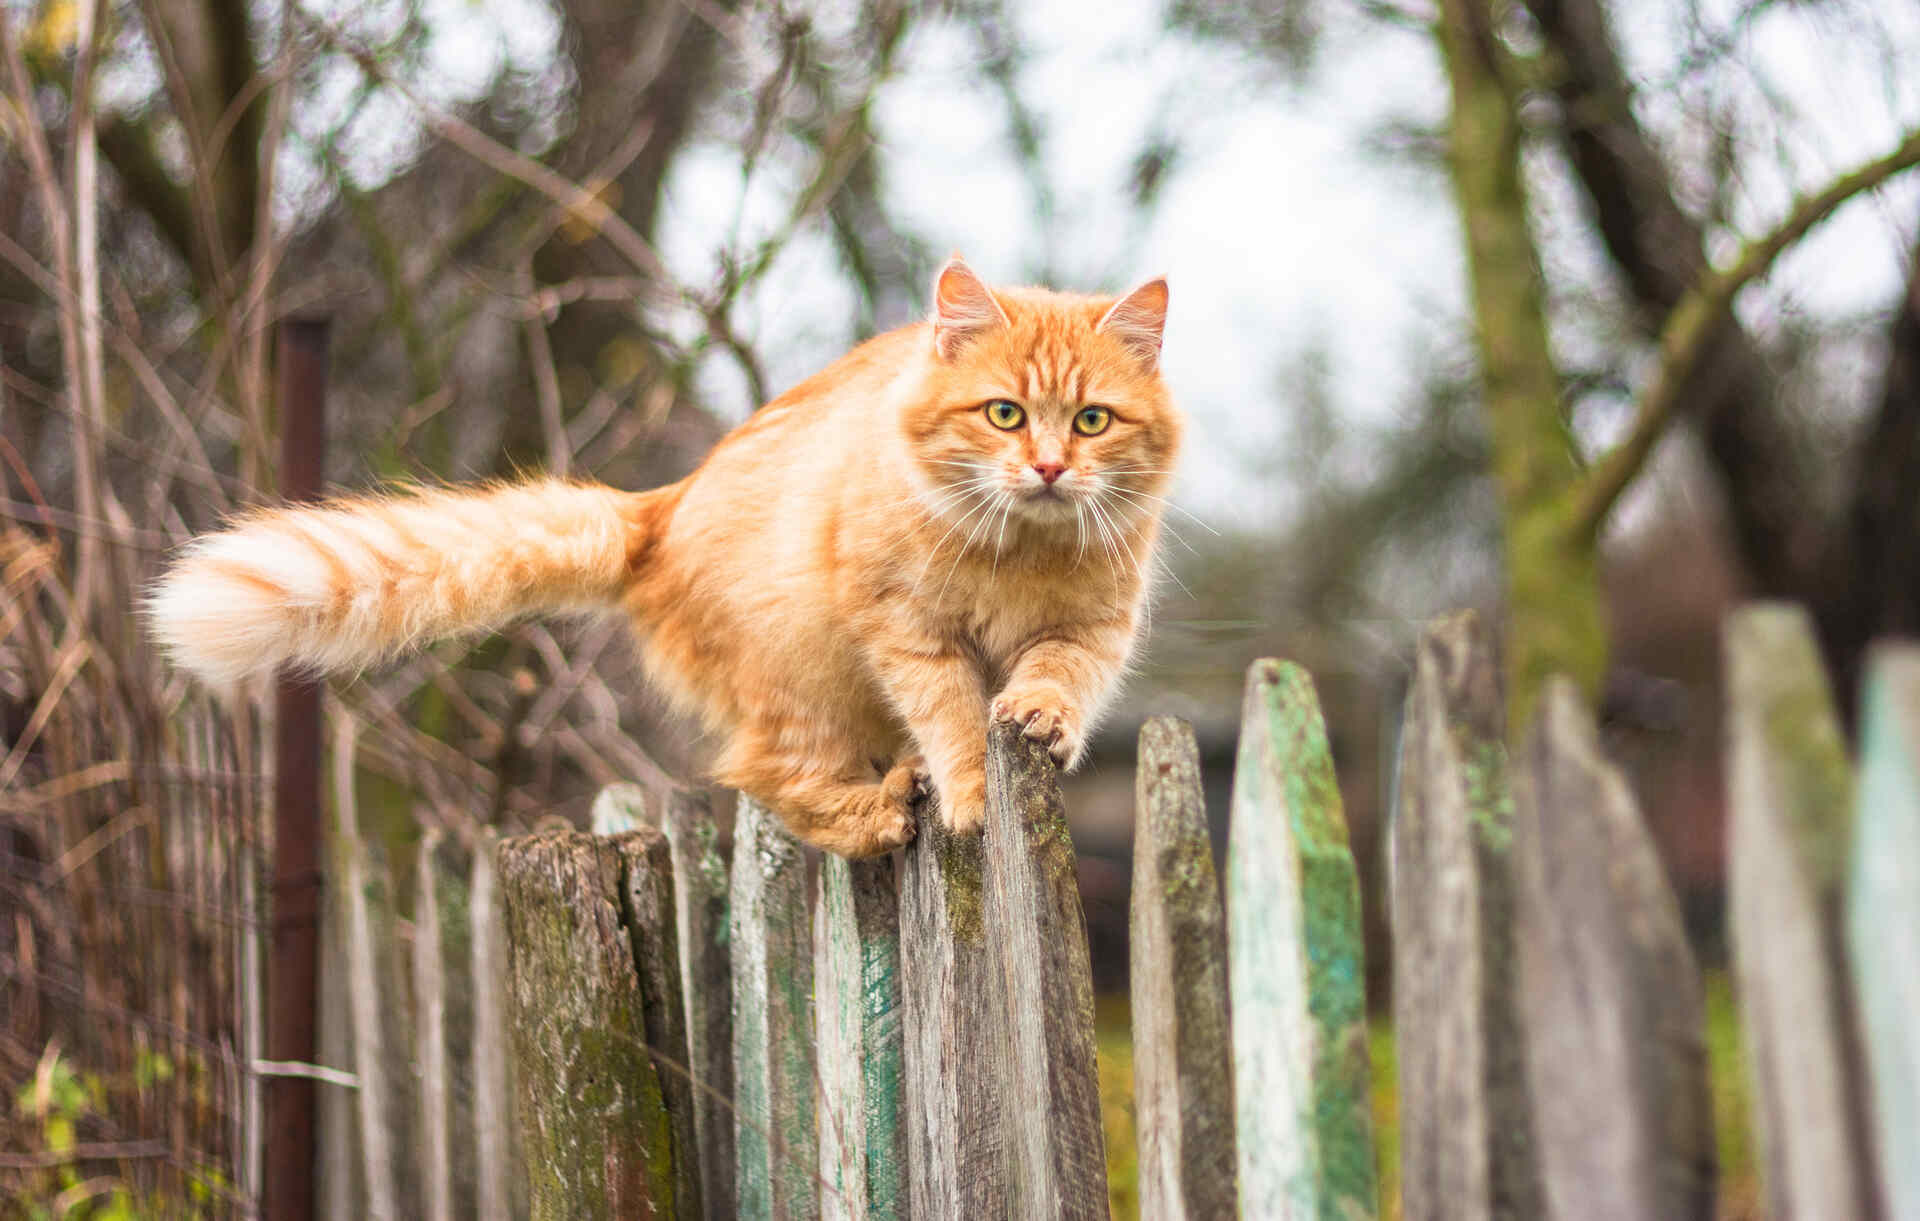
[[1553, 588]]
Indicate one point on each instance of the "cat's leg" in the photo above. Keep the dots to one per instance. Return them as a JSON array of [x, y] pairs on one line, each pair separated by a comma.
[[938, 693], [1056, 686], [831, 802]]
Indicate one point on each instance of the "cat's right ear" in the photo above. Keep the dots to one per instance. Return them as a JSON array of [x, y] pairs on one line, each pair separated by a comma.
[[963, 309]]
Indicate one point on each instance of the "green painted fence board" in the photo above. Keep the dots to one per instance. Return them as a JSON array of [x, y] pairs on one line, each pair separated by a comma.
[[857, 1034], [1465, 1125], [1298, 989], [1883, 914], [1610, 998], [1182, 1053], [1057, 1163], [771, 939], [1791, 813]]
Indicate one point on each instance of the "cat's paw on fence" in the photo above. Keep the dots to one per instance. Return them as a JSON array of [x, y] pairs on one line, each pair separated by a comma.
[[1044, 715]]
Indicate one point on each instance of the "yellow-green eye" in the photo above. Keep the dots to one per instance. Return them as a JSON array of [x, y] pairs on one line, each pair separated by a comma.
[[1092, 421], [1002, 414]]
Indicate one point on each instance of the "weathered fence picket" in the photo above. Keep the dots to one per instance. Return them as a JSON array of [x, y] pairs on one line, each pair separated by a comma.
[[1883, 912], [493, 1144], [771, 938], [366, 1002], [1611, 1006], [601, 1141], [954, 1019], [1791, 788], [706, 975], [1465, 1133], [857, 1037], [430, 1012], [1296, 979], [1182, 1061], [1057, 1151]]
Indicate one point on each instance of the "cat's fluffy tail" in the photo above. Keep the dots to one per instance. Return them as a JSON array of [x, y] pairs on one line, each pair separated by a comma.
[[345, 584]]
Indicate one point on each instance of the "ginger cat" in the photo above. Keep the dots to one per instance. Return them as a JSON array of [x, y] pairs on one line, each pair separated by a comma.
[[951, 522]]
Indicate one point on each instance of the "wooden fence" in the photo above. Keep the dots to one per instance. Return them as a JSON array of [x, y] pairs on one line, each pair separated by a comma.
[[786, 1035]]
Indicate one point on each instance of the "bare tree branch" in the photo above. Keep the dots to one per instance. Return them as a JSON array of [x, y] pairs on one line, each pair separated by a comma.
[[1693, 323]]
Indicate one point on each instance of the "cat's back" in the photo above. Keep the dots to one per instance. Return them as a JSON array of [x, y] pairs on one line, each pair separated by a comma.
[[765, 485]]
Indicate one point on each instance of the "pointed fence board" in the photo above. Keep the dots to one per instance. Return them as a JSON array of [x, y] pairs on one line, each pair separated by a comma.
[[1057, 1162], [706, 972], [600, 1140], [430, 1010], [1465, 1129], [1792, 825], [1883, 910], [1296, 975], [955, 1026], [493, 1143], [1611, 1006], [648, 911], [1182, 1058], [776, 1152], [863, 1133]]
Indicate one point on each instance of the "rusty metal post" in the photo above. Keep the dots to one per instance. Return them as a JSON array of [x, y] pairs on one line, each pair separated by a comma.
[[293, 972]]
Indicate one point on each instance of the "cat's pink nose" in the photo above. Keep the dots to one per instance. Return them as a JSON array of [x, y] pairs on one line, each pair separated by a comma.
[[1050, 471]]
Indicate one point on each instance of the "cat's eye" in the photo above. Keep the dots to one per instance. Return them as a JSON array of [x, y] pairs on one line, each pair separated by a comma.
[[1092, 421], [1003, 414]]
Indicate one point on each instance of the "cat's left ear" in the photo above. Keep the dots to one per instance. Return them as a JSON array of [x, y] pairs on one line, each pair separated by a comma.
[[1138, 319], [963, 308]]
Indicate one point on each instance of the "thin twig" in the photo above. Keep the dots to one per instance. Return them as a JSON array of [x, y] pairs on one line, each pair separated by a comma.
[[1697, 318]]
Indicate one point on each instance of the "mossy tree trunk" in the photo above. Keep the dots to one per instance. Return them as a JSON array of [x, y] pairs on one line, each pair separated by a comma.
[[1555, 622]]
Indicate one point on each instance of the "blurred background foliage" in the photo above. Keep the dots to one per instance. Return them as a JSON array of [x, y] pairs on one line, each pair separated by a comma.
[[591, 235]]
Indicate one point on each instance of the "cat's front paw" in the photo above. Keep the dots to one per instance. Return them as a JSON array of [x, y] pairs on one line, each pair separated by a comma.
[[1045, 715], [963, 804]]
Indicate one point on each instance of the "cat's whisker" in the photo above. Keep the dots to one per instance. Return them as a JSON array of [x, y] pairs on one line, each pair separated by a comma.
[[962, 553], [1165, 525], [1120, 537], [940, 501], [1000, 543], [1165, 503], [1079, 533], [1172, 575], [986, 501]]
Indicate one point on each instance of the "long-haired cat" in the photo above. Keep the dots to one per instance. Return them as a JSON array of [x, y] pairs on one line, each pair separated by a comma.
[[952, 522]]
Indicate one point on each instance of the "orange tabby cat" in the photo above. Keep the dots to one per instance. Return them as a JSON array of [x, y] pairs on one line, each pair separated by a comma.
[[951, 522]]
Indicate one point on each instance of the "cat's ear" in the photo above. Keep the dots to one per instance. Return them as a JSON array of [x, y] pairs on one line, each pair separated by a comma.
[[1138, 318], [963, 309]]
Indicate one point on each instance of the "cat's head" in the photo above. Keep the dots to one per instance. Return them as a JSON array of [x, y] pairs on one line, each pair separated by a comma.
[[1041, 407]]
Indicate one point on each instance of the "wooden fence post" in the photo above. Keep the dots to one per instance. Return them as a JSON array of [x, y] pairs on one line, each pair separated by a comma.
[[863, 1133], [1465, 1129], [776, 1147], [1296, 978], [493, 1145], [430, 1036], [1057, 1162], [601, 1141], [1883, 910], [1792, 825], [955, 1019], [706, 972], [1611, 1003], [1182, 1060]]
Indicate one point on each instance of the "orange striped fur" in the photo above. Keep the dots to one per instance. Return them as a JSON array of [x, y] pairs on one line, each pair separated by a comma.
[[847, 589]]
